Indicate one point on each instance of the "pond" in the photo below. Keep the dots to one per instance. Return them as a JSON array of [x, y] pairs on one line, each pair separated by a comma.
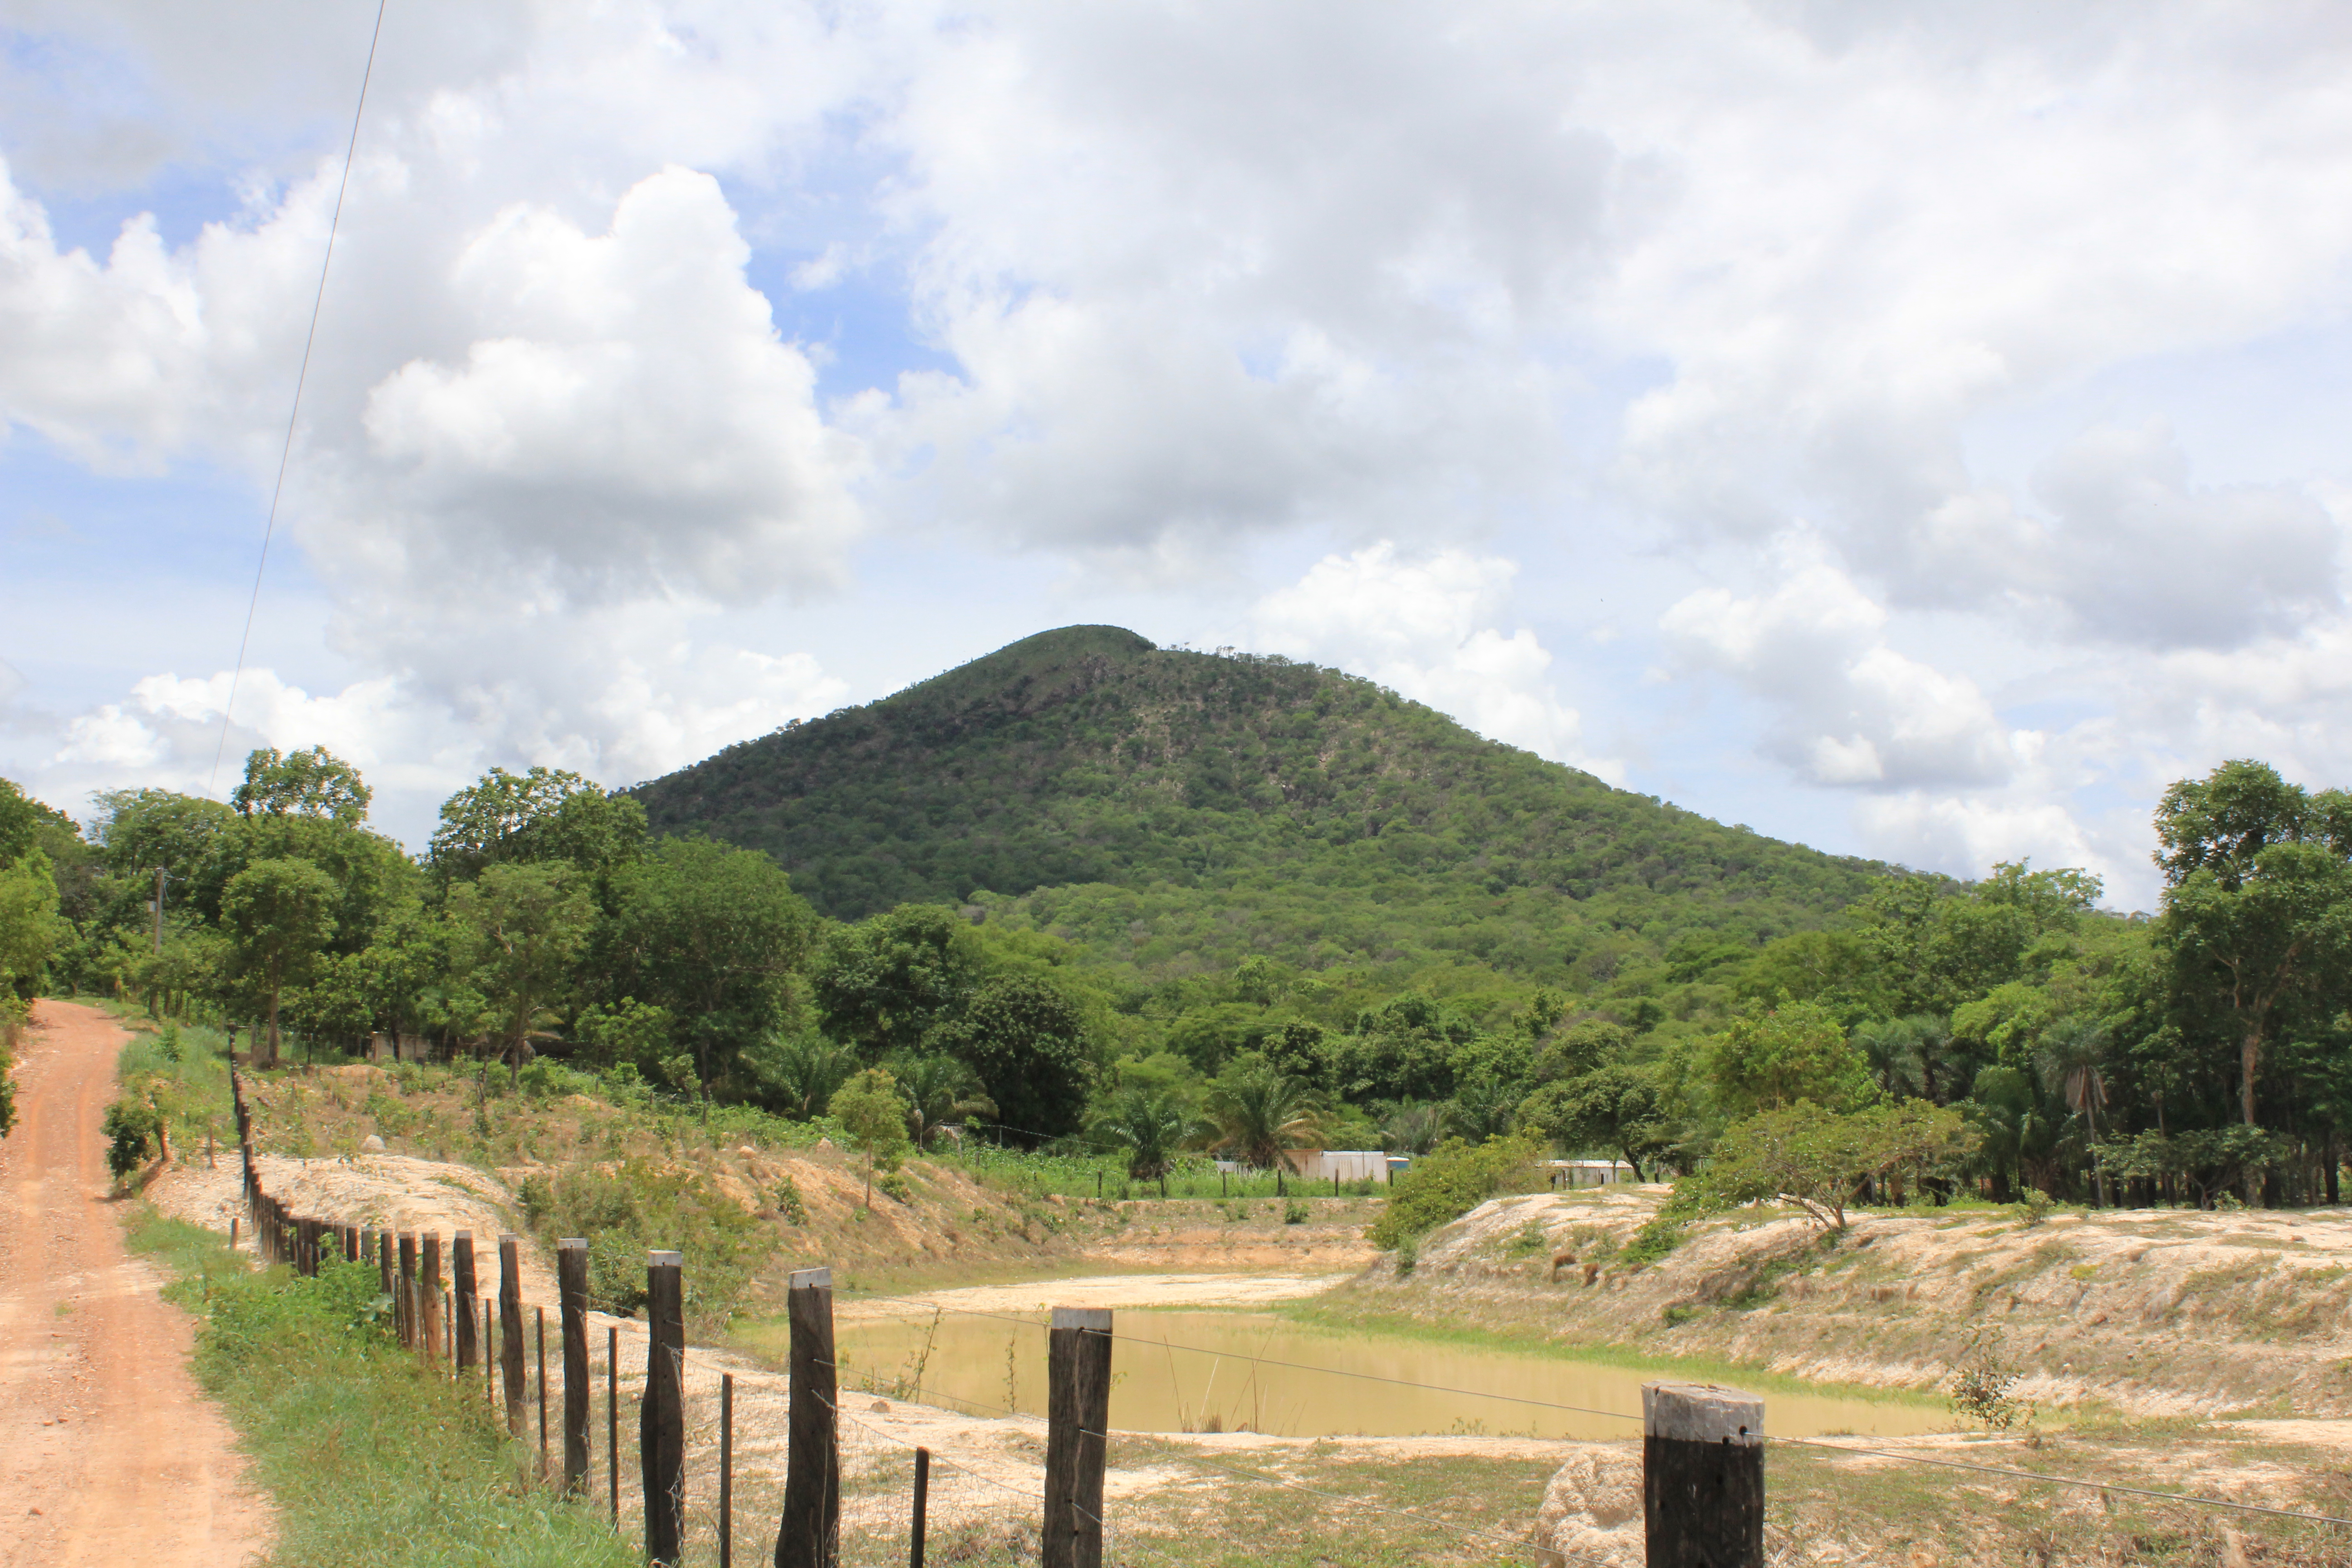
[[1195, 1371]]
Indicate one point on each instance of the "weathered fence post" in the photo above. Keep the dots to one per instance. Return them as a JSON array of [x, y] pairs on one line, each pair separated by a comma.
[[727, 1471], [1077, 1433], [383, 1271], [510, 1328], [232, 1233], [571, 1297], [1701, 1476], [405, 1306], [810, 1534], [661, 1422], [351, 1253], [612, 1419], [429, 1286], [539, 1314], [461, 1263], [922, 1507]]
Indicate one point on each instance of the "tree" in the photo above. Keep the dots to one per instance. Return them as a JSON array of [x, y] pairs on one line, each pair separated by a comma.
[[800, 1070], [713, 934], [1795, 1051], [279, 913], [542, 815], [30, 927], [869, 1109], [1261, 1112], [940, 1091], [2258, 910], [515, 933], [1416, 1126], [1027, 1041], [1151, 1125], [1817, 1159], [315, 783], [1618, 1108], [885, 983]]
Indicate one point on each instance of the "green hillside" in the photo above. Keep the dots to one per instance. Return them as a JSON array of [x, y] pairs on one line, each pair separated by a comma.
[[1180, 810]]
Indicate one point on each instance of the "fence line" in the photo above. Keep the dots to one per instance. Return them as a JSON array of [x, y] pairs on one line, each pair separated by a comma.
[[421, 1324]]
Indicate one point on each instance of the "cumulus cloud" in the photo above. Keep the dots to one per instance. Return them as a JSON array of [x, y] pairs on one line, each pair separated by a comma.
[[1850, 710], [1425, 628]]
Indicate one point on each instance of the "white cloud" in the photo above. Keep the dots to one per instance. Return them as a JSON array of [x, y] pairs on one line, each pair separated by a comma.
[[1425, 627], [1849, 710]]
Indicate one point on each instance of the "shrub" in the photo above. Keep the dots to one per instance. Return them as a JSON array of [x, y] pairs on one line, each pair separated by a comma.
[[1295, 1212], [789, 1201], [134, 1129], [1652, 1242], [1453, 1179], [1816, 1158], [641, 1207]]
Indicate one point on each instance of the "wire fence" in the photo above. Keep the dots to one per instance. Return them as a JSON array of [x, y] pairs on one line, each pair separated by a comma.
[[957, 1499]]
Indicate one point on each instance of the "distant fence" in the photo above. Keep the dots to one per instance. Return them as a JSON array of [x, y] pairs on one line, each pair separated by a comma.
[[1702, 1455]]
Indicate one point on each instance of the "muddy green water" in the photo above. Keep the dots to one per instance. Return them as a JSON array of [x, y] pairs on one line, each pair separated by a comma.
[[1191, 1372]]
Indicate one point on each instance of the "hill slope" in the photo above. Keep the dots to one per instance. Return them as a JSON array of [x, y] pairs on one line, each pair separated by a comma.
[[1330, 818]]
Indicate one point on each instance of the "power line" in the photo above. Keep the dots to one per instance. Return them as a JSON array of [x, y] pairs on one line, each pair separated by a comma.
[[301, 377]]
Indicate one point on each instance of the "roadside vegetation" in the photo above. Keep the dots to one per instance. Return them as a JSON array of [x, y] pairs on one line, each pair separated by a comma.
[[360, 1450]]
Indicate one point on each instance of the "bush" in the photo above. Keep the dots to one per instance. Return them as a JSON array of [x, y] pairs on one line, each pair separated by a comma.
[[640, 1208], [1816, 1158], [1295, 1212], [1652, 1242], [134, 1129], [1452, 1180]]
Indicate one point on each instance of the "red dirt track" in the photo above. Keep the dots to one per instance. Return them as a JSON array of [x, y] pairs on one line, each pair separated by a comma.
[[107, 1453]]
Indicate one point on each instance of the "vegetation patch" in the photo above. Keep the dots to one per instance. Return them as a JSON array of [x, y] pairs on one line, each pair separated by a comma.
[[354, 1442]]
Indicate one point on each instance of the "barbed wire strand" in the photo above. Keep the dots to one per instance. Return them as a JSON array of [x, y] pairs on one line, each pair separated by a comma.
[[2066, 1481], [1268, 1361], [1897, 1455]]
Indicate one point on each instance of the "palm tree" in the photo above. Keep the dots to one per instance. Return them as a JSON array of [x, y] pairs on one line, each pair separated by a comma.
[[1261, 1111], [807, 1070], [1152, 1124], [1482, 1107], [940, 1091], [1415, 1127], [2072, 1062]]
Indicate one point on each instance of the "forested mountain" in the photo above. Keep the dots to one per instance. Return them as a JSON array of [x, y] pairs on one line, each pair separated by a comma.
[[1181, 807]]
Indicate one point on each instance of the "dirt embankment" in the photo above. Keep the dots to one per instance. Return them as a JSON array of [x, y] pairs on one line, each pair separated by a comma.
[[955, 1226], [2150, 1312]]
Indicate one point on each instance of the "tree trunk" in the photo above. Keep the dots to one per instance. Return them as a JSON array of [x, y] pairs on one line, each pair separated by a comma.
[[2250, 1055], [273, 1027]]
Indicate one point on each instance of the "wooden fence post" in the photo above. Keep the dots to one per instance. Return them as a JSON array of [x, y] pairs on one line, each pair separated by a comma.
[[571, 1297], [351, 1253], [727, 1471], [922, 1507], [661, 1422], [1701, 1476], [1077, 1433], [429, 1284], [612, 1419], [510, 1328], [540, 1313], [810, 1534], [470, 1328], [405, 1303], [383, 1271]]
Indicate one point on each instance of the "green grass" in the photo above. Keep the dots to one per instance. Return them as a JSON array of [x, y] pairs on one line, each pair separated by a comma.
[[367, 1458]]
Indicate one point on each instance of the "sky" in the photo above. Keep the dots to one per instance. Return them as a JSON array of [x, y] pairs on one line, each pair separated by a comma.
[[1913, 430]]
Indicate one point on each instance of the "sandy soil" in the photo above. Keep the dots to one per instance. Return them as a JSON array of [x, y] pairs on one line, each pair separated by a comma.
[[107, 1451], [2087, 1308]]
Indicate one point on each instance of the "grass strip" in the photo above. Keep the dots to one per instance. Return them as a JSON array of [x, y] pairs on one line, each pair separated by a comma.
[[368, 1459]]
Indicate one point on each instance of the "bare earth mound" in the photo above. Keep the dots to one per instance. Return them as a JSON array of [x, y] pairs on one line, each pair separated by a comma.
[[2150, 1312]]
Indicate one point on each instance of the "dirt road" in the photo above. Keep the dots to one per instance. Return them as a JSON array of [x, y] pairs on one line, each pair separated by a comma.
[[107, 1453]]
